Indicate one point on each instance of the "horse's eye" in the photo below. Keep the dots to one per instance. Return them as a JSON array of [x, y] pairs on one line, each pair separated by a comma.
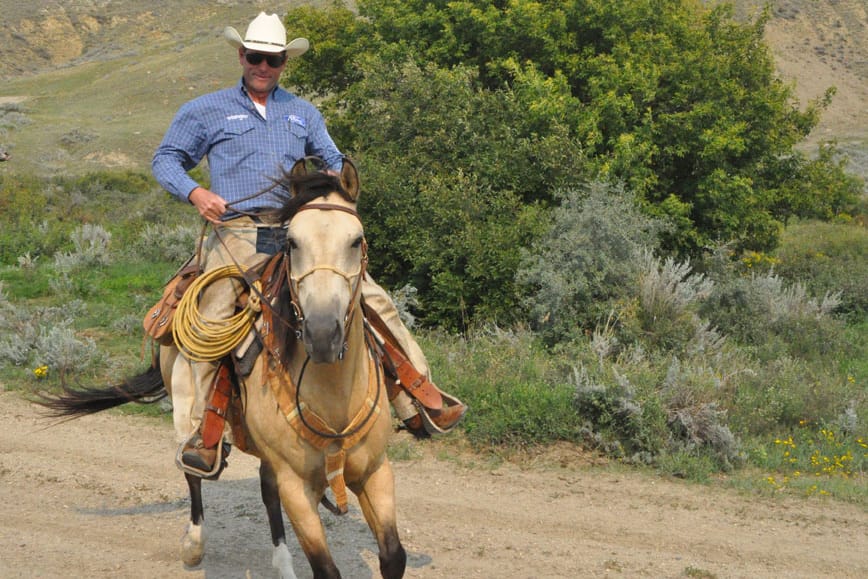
[[291, 244], [357, 242]]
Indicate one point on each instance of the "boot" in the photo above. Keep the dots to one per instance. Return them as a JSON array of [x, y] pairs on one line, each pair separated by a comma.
[[195, 455]]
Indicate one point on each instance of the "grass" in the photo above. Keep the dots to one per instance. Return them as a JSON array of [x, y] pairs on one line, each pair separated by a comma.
[[519, 408], [815, 460], [110, 109], [139, 65], [692, 416]]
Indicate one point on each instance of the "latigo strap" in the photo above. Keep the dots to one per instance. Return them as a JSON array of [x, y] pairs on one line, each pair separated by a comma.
[[218, 402]]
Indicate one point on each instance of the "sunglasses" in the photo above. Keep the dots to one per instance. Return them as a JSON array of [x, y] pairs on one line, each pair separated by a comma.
[[273, 60]]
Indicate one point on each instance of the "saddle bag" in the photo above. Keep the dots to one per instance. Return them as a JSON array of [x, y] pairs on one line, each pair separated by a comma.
[[158, 320]]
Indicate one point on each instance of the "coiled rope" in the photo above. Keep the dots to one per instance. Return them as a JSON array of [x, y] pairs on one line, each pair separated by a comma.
[[205, 339]]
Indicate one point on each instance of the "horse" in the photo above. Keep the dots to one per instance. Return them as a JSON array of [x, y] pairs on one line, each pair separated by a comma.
[[314, 406]]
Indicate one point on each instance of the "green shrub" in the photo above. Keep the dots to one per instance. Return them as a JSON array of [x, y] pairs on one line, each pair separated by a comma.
[[781, 392], [13, 116], [695, 415], [763, 311], [30, 224], [37, 336], [513, 388], [62, 350], [617, 419], [679, 100], [451, 194], [669, 295], [828, 258], [588, 262], [164, 243], [40, 214]]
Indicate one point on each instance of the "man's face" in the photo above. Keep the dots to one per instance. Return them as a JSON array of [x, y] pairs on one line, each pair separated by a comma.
[[260, 79]]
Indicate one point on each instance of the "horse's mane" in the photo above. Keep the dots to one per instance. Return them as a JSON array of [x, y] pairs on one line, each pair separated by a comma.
[[306, 187]]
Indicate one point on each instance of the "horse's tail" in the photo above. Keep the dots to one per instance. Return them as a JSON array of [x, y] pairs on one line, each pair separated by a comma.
[[146, 388]]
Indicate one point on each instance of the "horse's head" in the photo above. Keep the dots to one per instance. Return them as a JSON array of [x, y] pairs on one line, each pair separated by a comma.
[[327, 253]]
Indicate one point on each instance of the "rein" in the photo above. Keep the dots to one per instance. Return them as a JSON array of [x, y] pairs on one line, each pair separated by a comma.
[[354, 429], [310, 426]]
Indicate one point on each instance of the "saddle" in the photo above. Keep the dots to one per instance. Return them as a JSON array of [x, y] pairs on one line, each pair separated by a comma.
[[224, 400]]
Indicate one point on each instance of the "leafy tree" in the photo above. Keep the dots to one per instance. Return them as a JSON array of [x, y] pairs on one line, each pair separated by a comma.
[[678, 102], [451, 195]]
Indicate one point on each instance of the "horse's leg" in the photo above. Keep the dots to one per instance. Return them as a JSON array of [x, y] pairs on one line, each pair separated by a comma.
[[193, 543], [282, 558], [301, 503], [377, 499]]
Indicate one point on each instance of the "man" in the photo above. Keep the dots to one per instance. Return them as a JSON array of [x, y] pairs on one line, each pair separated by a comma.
[[249, 133]]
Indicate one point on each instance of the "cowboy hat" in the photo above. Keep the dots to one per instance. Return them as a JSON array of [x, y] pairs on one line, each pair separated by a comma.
[[266, 34]]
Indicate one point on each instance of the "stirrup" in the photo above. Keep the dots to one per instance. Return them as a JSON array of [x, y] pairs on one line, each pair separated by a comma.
[[219, 462], [428, 422]]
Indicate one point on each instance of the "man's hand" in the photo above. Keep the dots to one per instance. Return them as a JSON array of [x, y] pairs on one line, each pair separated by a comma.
[[210, 205]]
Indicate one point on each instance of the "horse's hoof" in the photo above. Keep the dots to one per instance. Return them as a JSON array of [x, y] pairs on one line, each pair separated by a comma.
[[193, 546]]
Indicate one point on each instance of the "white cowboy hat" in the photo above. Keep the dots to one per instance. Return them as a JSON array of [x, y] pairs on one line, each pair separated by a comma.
[[266, 34]]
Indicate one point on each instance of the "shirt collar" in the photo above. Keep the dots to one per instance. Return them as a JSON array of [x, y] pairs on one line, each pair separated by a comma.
[[243, 89], [278, 93]]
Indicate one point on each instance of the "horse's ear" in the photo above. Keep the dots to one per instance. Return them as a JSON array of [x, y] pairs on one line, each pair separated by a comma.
[[298, 169], [350, 179]]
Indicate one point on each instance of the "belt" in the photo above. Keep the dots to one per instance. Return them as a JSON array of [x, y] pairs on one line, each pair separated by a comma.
[[247, 222]]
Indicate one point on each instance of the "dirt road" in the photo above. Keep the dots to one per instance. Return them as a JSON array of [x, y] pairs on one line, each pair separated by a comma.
[[100, 497]]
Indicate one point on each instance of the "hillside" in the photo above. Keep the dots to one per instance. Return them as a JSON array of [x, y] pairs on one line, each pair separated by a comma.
[[94, 83]]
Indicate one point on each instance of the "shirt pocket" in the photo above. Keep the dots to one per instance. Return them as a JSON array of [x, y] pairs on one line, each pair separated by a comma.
[[236, 129], [297, 131], [296, 142], [237, 142]]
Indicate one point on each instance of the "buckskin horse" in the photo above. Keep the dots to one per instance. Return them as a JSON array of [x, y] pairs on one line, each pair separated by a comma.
[[313, 408]]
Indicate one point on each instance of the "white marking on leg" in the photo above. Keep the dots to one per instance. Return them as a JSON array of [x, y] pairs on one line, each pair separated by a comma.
[[193, 545], [282, 561]]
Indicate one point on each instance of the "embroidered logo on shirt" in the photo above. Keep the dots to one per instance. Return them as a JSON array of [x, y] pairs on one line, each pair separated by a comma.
[[236, 117], [295, 119]]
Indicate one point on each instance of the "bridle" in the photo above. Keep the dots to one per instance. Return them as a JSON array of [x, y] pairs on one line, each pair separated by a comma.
[[296, 280], [294, 283]]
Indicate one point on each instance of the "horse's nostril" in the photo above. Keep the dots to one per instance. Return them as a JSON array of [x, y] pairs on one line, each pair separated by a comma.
[[323, 338]]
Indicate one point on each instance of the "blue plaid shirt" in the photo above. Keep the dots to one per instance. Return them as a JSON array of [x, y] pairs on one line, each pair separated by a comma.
[[245, 152]]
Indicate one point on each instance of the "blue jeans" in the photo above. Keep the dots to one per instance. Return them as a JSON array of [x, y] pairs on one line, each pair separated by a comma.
[[270, 240]]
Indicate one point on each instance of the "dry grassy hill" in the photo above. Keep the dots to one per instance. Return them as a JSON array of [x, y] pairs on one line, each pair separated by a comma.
[[94, 83]]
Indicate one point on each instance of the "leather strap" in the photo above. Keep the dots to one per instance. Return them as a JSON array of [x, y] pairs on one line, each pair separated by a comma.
[[218, 403], [311, 426], [416, 384]]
